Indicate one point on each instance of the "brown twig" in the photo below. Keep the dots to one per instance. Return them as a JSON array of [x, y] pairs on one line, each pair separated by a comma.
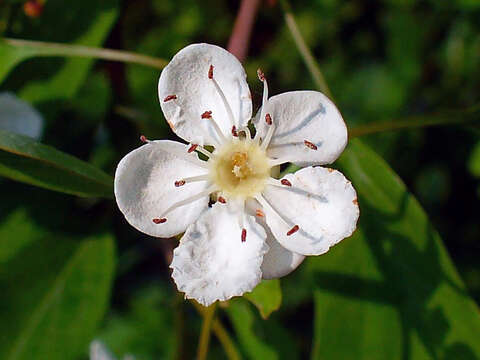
[[242, 30]]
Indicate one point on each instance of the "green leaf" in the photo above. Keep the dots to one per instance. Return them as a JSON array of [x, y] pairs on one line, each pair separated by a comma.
[[55, 292], [474, 161], [69, 77], [25, 160], [151, 311], [390, 291], [267, 297], [243, 320], [84, 22], [11, 56], [260, 338]]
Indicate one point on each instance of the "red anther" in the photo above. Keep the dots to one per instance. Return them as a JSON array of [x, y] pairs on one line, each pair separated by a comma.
[[207, 115], [268, 119], [234, 131], [293, 230], [286, 182], [259, 213], [170, 97], [143, 139], [310, 145], [244, 235], [222, 200], [179, 183], [261, 75], [33, 8], [192, 148], [210, 72], [159, 221]]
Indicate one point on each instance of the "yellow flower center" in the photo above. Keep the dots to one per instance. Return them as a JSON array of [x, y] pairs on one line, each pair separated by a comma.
[[240, 169]]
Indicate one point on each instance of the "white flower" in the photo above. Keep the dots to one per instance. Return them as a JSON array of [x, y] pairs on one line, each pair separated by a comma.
[[259, 227]]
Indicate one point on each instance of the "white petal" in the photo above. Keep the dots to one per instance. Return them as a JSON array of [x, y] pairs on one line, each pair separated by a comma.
[[300, 116], [212, 263], [145, 187], [98, 351], [186, 76], [278, 261], [321, 202], [19, 117]]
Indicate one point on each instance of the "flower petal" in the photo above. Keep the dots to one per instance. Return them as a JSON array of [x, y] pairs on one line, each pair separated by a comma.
[[316, 212], [145, 187], [187, 77], [19, 117], [213, 263], [278, 261], [300, 116]]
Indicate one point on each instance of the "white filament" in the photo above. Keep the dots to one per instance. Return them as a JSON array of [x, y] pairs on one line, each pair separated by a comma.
[[190, 199]]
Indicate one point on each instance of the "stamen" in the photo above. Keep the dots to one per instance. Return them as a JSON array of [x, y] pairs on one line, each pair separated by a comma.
[[222, 200], [234, 131], [191, 179], [210, 72], [268, 137], [208, 115], [261, 77], [222, 96], [310, 145], [205, 152], [241, 220], [189, 200], [268, 119], [192, 148], [248, 134], [280, 183], [159, 221], [170, 97], [176, 152], [266, 204], [259, 213], [179, 183], [293, 230]]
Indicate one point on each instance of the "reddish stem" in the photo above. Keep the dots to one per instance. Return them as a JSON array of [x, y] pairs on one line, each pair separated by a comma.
[[240, 38]]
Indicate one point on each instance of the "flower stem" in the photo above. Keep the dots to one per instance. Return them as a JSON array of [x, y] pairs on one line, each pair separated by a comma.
[[305, 52], [204, 340], [41, 48], [449, 117], [221, 334], [225, 340]]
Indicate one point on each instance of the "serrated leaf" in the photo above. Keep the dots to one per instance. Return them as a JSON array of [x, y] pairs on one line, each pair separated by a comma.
[[267, 297], [25, 160]]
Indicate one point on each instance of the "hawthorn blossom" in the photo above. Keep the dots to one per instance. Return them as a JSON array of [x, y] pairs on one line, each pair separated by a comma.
[[258, 226]]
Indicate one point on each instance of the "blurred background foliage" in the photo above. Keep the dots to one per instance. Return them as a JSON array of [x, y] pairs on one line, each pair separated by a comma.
[[72, 270]]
